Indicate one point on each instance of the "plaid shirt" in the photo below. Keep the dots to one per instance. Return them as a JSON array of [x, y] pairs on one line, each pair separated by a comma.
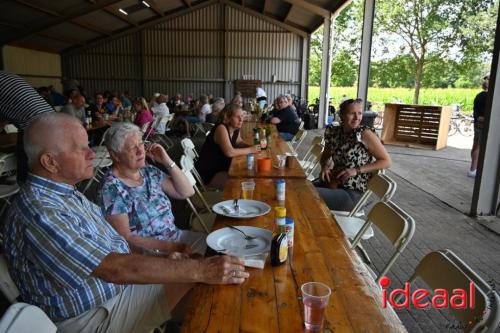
[[54, 239]]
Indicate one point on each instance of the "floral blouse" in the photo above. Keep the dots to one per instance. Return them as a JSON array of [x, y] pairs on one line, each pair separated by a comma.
[[148, 208], [349, 151]]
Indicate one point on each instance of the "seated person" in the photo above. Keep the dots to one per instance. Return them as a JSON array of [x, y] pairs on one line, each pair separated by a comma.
[[66, 259], [76, 108], [222, 144], [98, 109], [286, 120], [217, 106], [200, 110], [159, 111], [115, 107], [356, 152], [135, 196], [142, 114]]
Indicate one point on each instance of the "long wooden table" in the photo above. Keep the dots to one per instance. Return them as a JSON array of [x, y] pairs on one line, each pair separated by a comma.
[[276, 146], [269, 300]]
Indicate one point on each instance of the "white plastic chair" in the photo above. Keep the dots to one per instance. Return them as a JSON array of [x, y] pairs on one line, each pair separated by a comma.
[[189, 148], [445, 270], [26, 318], [311, 161], [188, 164], [297, 139], [163, 138], [6, 190], [7, 285], [206, 220], [9, 128], [317, 139], [394, 223]]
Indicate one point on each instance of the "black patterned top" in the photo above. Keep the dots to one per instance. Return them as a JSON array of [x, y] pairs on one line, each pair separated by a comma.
[[349, 151]]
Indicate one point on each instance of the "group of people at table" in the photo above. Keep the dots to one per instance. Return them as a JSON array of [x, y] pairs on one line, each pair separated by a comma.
[[85, 265]]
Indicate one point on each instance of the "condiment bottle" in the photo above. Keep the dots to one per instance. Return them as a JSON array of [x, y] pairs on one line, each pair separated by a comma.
[[279, 249]]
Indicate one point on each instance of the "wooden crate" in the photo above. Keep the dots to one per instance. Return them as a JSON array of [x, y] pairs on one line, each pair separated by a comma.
[[419, 126]]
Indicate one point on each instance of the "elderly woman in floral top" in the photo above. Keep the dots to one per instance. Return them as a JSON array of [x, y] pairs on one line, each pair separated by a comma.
[[352, 154], [135, 196]]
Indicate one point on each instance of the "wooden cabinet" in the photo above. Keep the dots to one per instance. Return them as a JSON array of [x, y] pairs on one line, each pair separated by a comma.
[[419, 126]]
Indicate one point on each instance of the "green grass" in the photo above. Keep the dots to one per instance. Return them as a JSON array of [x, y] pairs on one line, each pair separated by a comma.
[[380, 96]]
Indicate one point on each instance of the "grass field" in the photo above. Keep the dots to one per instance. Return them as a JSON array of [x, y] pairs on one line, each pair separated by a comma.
[[380, 96]]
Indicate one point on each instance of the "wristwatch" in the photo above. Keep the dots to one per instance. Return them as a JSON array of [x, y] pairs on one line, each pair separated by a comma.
[[358, 170], [170, 166]]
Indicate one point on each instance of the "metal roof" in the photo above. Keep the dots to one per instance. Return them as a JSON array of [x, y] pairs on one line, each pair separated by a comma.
[[60, 26]]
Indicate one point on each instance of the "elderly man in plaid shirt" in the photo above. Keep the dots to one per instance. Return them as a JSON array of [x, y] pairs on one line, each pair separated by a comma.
[[66, 259]]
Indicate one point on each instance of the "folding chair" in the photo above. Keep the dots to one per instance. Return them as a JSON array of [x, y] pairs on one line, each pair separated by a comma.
[[297, 139], [206, 219], [207, 198], [188, 163], [311, 161], [189, 148], [394, 223], [7, 286], [26, 318], [317, 139], [7, 190], [163, 138], [445, 270]]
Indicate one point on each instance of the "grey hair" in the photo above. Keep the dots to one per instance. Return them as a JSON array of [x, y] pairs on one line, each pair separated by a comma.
[[116, 135], [47, 126], [218, 105]]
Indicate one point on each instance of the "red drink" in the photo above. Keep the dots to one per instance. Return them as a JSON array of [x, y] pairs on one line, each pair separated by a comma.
[[314, 313]]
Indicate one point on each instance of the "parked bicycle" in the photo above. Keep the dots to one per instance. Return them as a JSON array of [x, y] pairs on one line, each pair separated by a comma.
[[462, 124]]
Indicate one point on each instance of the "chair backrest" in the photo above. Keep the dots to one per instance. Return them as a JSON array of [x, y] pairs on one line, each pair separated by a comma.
[[317, 139], [444, 269], [7, 286], [188, 164], [26, 318], [298, 138], [313, 159], [301, 126], [9, 128], [8, 163], [188, 145], [381, 185], [394, 223]]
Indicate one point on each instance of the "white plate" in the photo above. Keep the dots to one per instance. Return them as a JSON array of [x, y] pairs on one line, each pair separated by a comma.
[[248, 208], [232, 242]]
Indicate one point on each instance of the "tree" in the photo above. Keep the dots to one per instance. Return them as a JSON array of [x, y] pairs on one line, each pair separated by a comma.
[[344, 70], [431, 27]]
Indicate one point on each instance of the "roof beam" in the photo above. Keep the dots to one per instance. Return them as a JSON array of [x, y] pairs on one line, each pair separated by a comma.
[[37, 7], [32, 46], [91, 27], [119, 15], [60, 38], [285, 19], [295, 30], [310, 8], [265, 8], [75, 11], [154, 7], [127, 31], [187, 3]]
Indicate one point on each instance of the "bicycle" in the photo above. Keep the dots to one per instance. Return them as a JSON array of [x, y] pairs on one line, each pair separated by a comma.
[[462, 124], [378, 122]]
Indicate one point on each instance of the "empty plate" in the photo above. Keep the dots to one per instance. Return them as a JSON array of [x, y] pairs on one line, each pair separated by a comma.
[[248, 208], [232, 242]]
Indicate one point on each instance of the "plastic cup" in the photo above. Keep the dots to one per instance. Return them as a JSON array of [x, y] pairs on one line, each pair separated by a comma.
[[281, 159], [289, 158], [247, 189], [315, 296]]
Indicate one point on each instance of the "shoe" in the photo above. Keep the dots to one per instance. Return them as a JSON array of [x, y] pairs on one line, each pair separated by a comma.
[[471, 173]]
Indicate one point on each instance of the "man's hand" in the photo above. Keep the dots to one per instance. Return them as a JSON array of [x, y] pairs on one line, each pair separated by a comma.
[[222, 270]]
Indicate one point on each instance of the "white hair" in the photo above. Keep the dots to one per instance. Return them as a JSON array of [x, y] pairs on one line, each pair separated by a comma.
[[116, 135], [44, 133]]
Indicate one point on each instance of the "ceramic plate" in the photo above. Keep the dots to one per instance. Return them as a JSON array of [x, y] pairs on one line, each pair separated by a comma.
[[248, 208], [232, 242]]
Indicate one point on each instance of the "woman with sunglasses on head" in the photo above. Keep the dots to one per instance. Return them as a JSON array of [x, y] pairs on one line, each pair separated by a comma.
[[352, 154]]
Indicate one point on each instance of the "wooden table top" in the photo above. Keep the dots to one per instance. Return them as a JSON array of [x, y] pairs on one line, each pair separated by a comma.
[[276, 146], [269, 300]]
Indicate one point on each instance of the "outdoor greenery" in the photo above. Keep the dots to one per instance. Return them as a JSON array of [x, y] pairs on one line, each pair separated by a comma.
[[416, 44], [428, 96]]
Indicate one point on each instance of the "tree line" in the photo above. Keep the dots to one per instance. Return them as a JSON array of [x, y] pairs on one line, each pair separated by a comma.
[[416, 43]]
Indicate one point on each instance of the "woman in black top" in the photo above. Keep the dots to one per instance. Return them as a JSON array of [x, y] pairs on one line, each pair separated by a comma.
[[222, 144]]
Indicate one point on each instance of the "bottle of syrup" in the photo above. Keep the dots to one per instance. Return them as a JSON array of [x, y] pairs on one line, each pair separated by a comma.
[[279, 249]]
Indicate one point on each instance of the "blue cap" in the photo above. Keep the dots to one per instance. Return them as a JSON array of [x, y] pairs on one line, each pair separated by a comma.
[[278, 181], [289, 220]]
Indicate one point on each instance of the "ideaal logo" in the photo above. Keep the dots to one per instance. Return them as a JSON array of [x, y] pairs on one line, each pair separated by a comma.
[[441, 299]]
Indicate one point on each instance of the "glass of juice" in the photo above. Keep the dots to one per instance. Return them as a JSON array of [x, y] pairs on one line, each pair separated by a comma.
[[315, 296], [247, 189]]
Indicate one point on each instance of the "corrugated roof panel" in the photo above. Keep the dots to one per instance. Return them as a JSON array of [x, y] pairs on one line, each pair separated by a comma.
[[182, 67], [36, 41], [239, 20], [20, 15], [105, 20], [288, 71], [301, 17], [183, 43], [264, 45]]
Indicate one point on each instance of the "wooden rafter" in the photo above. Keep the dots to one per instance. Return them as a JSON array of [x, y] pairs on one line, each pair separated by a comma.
[[154, 7], [73, 12], [312, 8], [285, 19], [265, 8], [91, 27], [60, 38], [187, 3], [114, 12], [37, 7]]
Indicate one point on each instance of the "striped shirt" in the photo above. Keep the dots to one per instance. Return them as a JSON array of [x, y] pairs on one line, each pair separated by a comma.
[[19, 102], [54, 239]]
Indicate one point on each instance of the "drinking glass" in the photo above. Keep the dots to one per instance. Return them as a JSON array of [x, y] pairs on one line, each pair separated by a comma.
[[315, 297], [247, 189], [281, 161]]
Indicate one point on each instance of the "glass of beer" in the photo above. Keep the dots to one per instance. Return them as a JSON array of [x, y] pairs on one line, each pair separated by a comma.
[[315, 296], [247, 189]]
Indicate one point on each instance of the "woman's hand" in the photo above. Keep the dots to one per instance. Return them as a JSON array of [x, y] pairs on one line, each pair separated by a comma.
[[326, 174], [158, 154], [256, 149], [346, 174]]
